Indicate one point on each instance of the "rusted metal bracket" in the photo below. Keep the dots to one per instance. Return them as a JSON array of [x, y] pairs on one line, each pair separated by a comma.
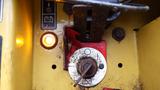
[[91, 22]]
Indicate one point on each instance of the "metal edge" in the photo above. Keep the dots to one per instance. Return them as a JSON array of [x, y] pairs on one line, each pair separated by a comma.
[[1, 11]]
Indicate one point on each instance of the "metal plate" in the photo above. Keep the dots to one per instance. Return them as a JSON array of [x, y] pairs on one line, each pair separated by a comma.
[[87, 52], [48, 15], [1, 9]]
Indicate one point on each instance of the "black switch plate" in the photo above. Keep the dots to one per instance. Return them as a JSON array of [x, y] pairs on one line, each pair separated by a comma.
[[48, 15]]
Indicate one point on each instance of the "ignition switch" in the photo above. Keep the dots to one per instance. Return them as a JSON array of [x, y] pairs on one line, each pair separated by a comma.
[[85, 67], [83, 64]]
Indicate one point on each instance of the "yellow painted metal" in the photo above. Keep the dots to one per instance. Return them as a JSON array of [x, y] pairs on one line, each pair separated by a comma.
[[21, 71], [16, 27], [44, 77], [6, 31], [149, 52], [125, 52]]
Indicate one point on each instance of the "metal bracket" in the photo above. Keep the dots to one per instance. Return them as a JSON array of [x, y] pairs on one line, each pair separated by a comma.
[[90, 22]]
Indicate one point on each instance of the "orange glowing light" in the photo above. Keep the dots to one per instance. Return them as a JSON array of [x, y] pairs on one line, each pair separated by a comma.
[[19, 42], [49, 40]]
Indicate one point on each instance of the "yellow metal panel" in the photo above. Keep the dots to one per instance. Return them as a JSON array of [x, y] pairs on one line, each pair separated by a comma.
[[44, 77], [17, 51], [125, 78], [149, 52], [22, 52], [125, 52], [6, 31], [16, 29]]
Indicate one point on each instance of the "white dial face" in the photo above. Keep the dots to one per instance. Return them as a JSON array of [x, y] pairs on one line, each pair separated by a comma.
[[101, 63]]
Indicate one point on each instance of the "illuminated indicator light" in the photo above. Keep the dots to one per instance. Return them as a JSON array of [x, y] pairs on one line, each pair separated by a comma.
[[49, 40], [19, 42], [59, 0]]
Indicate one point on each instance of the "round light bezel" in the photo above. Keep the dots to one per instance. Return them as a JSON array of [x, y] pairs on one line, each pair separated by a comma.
[[43, 43]]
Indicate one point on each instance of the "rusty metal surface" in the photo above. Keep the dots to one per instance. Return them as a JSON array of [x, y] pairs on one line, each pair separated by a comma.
[[90, 22], [84, 63]]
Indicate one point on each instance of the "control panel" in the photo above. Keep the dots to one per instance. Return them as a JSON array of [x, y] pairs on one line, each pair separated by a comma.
[[85, 50]]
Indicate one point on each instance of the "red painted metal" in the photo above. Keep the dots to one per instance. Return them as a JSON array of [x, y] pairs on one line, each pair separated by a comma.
[[107, 89], [70, 35]]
